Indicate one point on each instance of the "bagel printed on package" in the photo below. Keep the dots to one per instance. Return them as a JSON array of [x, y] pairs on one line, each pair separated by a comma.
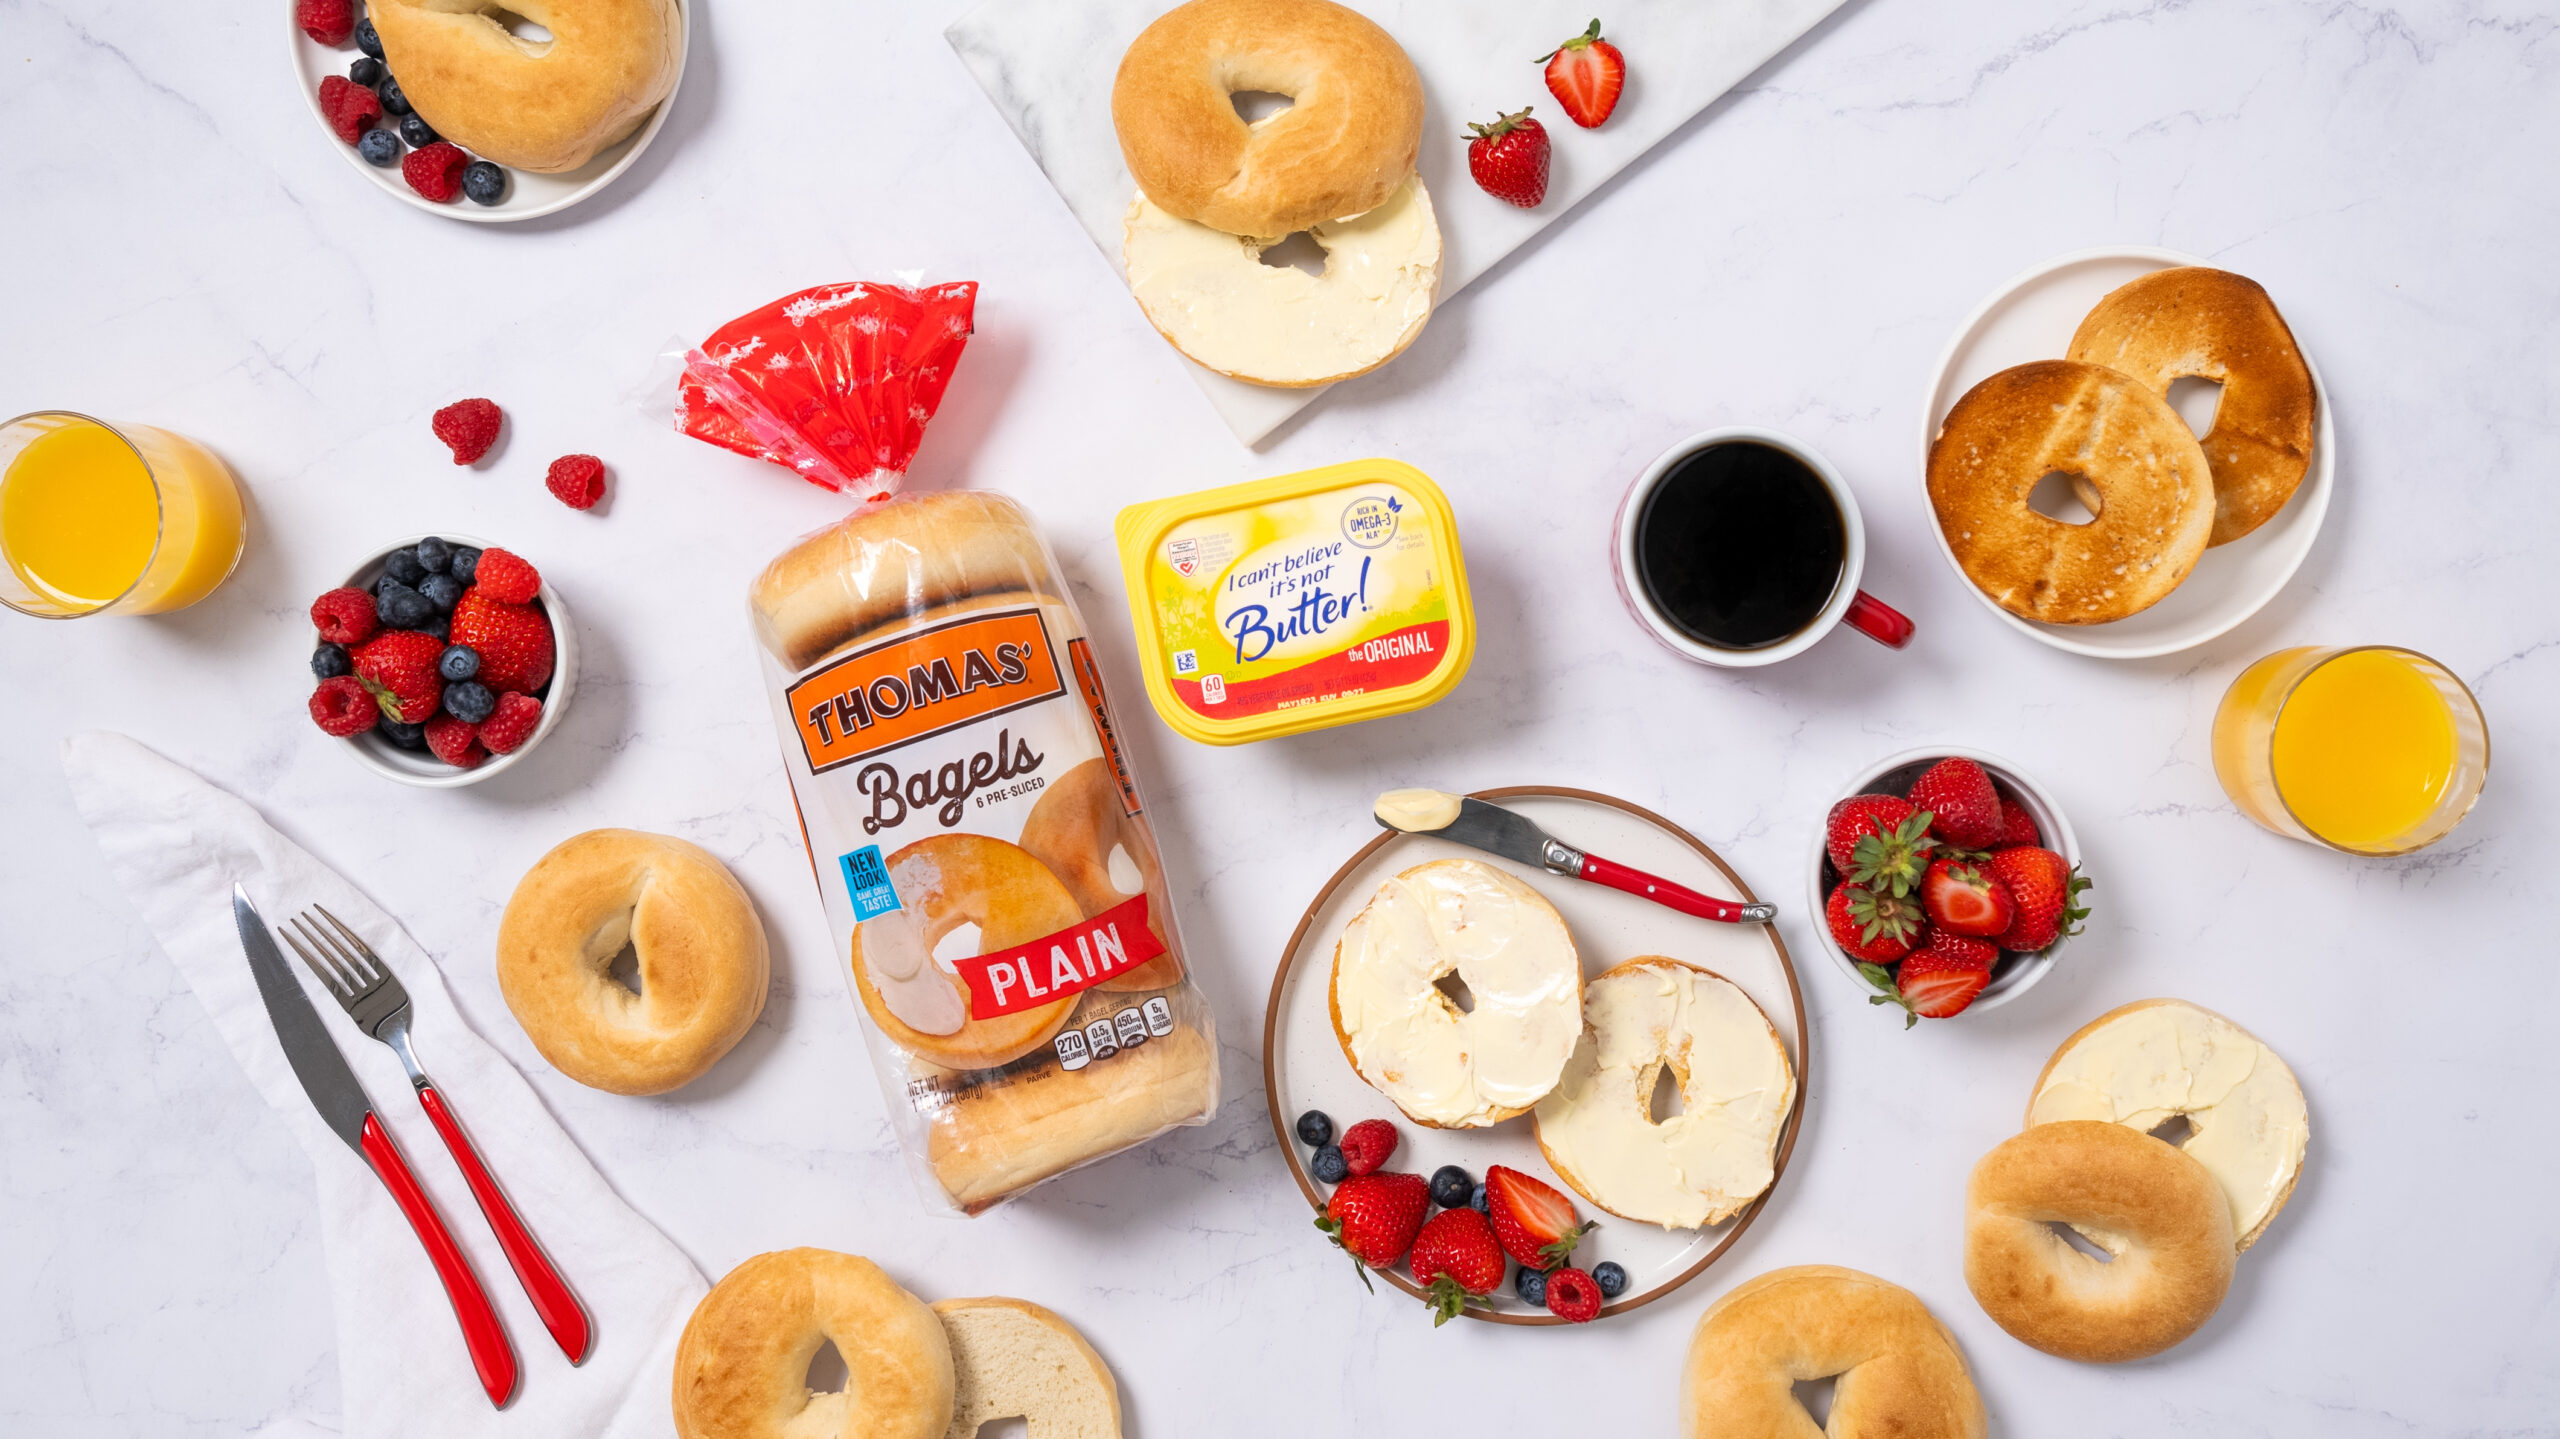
[[979, 844]]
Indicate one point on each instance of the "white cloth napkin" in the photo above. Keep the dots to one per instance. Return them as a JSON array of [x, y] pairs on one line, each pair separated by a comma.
[[177, 844]]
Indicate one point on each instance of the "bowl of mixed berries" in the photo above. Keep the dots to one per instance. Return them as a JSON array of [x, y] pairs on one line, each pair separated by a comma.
[[1947, 880], [441, 661]]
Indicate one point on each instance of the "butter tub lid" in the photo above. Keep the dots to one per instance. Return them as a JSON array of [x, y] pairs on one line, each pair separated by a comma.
[[1297, 602]]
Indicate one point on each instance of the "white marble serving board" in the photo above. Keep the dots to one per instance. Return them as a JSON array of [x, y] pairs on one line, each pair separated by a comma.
[[1047, 65]]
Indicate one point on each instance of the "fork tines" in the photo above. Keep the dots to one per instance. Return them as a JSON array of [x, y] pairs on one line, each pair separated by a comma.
[[341, 960]]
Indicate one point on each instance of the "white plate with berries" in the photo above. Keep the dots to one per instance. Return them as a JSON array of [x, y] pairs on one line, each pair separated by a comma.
[[359, 107], [1946, 881], [1319, 1103], [443, 660]]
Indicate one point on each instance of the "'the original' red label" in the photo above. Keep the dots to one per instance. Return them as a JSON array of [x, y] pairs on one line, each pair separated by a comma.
[[1054, 966]]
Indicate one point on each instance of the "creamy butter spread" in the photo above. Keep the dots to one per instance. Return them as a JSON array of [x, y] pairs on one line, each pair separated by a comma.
[[1699, 1166], [2145, 1068], [1510, 948], [1210, 293], [1416, 811]]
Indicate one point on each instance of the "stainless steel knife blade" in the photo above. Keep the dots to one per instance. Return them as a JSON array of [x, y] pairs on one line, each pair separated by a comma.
[[1495, 830], [316, 1062]]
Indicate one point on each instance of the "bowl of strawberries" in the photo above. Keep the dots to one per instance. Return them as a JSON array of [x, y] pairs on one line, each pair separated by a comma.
[[1947, 881], [441, 661]]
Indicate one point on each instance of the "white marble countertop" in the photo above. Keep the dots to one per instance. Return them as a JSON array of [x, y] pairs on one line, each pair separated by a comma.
[[182, 250]]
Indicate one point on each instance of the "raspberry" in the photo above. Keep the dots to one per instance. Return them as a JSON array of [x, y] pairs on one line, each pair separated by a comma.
[[435, 171], [1573, 1295], [577, 481], [470, 427], [343, 706], [329, 22], [511, 724], [344, 616], [506, 575], [1366, 1145], [399, 667], [350, 108], [455, 741]]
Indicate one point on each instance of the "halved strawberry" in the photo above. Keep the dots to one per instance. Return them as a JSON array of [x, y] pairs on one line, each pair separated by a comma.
[[1456, 1259], [1535, 1223], [1586, 75], [1375, 1217], [1937, 981], [1962, 899]]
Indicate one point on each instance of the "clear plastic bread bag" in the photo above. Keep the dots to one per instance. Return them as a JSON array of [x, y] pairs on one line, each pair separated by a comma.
[[990, 879]]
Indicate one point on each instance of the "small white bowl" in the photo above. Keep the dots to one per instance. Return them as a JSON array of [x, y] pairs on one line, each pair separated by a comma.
[[528, 194], [2015, 974], [423, 769]]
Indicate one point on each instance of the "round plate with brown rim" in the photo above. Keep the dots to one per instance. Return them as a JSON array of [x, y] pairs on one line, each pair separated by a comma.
[[1303, 1066]]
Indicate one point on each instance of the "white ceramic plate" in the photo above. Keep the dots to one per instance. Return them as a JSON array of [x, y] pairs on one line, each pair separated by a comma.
[[528, 194], [1304, 1068], [2032, 318]]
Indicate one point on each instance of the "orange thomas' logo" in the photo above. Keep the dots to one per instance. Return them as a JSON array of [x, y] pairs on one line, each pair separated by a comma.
[[923, 684]]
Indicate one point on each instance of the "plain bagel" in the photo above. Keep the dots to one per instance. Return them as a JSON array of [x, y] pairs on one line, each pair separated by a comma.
[[1900, 1373], [742, 1366], [1345, 143], [892, 563], [539, 105], [1013, 1359], [990, 1138], [2158, 1214], [1077, 824], [701, 952], [945, 881]]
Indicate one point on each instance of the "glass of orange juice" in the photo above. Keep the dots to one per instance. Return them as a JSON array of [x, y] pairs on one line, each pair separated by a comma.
[[2369, 749], [99, 518]]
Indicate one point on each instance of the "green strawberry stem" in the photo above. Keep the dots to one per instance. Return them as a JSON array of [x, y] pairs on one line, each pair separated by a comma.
[[1448, 1299], [1578, 42], [1332, 1228], [1882, 978]]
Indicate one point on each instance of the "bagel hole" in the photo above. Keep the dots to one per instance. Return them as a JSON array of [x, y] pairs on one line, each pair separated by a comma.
[[1015, 1427], [2175, 1129], [529, 31], [1126, 877], [827, 1372], [1815, 1395], [1665, 1104], [2057, 497], [1298, 252], [2079, 1241], [961, 943], [1255, 106], [2197, 400], [625, 968], [1454, 987]]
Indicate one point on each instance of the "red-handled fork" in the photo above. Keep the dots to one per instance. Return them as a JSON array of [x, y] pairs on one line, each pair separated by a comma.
[[373, 997]]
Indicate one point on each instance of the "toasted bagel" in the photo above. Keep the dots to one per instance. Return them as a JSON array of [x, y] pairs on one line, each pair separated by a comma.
[[539, 105]]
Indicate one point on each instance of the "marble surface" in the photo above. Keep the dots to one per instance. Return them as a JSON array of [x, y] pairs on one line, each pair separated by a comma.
[[1035, 59], [185, 251]]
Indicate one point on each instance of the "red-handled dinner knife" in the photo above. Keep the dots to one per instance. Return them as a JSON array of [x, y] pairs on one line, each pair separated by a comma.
[[1495, 830], [349, 1114]]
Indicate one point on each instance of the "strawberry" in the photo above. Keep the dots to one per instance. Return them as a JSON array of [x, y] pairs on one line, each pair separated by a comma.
[[1366, 1145], [1508, 159], [1855, 818], [1965, 806], [1585, 75], [506, 575], [399, 668], [511, 723], [1893, 861], [1876, 928], [2047, 890], [1457, 1259], [1938, 980], [1536, 1225], [514, 641], [1573, 1295], [2016, 825], [1961, 899], [1374, 1217]]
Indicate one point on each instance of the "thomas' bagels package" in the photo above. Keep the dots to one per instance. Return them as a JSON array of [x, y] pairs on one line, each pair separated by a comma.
[[980, 847]]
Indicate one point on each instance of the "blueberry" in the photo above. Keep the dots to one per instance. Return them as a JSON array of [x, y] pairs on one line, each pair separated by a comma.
[[402, 608], [330, 661], [1610, 1277], [367, 72], [458, 663], [1329, 1166], [1532, 1285], [414, 129], [384, 595], [1315, 1127], [367, 41], [402, 565], [433, 552], [442, 590], [407, 736], [437, 626], [468, 700], [379, 147], [393, 101], [1477, 1202], [1452, 1187], [465, 563], [484, 182]]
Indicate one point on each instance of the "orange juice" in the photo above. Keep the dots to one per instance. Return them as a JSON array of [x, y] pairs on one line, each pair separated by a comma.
[[97, 518], [2371, 750]]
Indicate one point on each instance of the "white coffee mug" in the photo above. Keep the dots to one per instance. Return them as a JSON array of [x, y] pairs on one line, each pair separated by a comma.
[[1864, 612]]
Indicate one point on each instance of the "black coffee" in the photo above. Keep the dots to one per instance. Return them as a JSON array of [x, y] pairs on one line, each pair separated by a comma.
[[1740, 545]]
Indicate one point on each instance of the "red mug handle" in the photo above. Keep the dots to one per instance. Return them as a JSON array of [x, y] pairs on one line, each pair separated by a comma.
[[1879, 621]]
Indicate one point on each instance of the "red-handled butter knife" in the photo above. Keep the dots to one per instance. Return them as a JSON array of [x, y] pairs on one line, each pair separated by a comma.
[[1495, 830], [349, 1114]]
